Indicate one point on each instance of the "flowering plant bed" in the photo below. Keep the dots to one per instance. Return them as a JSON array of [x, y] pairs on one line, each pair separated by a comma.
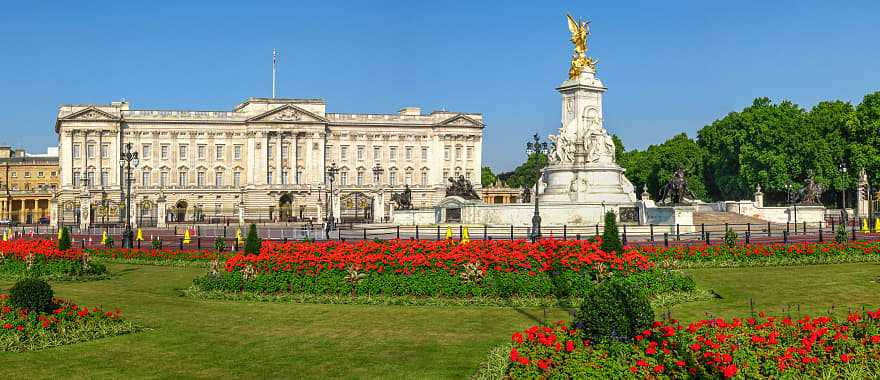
[[43, 259], [762, 254], [24, 330], [755, 347], [499, 270]]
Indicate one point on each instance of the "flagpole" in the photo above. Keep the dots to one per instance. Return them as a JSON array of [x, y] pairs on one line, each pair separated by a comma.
[[274, 59]]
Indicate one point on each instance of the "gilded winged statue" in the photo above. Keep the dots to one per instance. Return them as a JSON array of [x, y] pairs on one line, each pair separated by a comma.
[[579, 61]]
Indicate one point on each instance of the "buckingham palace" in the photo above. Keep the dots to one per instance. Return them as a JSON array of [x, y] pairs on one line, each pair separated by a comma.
[[266, 160]]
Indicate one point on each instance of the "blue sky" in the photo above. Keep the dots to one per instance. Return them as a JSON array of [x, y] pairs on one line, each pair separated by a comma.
[[670, 67]]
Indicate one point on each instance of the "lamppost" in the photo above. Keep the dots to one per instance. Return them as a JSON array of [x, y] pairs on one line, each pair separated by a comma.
[[331, 220], [843, 192], [791, 202], [534, 147], [377, 174], [127, 160]]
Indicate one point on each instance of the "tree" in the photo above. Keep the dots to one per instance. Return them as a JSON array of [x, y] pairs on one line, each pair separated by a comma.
[[610, 236], [64, 239], [253, 242], [655, 166], [487, 178], [526, 174]]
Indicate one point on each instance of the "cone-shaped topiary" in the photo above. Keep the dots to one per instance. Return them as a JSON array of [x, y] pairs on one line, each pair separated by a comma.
[[252, 245], [610, 236], [64, 239], [32, 294], [614, 311]]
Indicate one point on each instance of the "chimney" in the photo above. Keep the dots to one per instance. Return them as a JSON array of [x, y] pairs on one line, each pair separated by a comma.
[[410, 111]]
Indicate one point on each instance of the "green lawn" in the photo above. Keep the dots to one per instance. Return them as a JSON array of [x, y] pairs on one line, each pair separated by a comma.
[[224, 339]]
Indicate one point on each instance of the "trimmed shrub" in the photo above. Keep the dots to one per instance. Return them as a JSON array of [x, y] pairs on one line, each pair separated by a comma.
[[253, 242], [64, 239], [156, 243], [730, 237], [841, 236], [610, 236], [219, 244], [32, 294], [612, 310]]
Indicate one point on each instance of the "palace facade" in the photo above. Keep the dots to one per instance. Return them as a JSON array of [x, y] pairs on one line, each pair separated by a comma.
[[265, 160], [28, 183]]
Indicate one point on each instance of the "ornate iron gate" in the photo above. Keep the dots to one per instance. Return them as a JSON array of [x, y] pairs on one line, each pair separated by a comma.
[[356, 207]]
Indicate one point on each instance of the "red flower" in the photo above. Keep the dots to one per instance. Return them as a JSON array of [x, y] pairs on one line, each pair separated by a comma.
[[844, 358], [728, 371], [7, 326], [569, 346], [658, 368]]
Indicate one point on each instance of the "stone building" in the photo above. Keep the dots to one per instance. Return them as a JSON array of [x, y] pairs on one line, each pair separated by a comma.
[[500, 193], [265, 159], [29, 181]]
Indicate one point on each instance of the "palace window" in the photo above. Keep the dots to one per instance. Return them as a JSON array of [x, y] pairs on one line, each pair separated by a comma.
[[284, 177], [269, 177], [424, 153], [75, 151], [145, 178], [285, 150], [458, 152], [299, 174], [200, 178], [392, 153], [218, 179], [469, 174], [181, 179], [163, 151], [343, 152], [392, 178], [182, 152], [360, 178], [407, 179], [200, 151], [470, 153], [218, 152], [105, 150], [14, 174], [343, 178], [39, 174], [105, 177], [90, 150], [75, 179], [446, 150], [269, 150], [163, 179], [27, 174], [236, 152], [424, 178], [377, 153], [146, 152], [407, 153], [236, 179], [360, 152], [90, 177], [445, 174]]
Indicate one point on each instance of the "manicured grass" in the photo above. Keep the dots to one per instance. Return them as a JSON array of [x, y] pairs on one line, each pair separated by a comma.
[[190, 338]]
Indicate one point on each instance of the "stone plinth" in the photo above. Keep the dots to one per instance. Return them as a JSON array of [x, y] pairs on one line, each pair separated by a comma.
[[591, 183]]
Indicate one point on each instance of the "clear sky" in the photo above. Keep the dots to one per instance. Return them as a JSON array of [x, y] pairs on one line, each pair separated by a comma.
[[670, 66]]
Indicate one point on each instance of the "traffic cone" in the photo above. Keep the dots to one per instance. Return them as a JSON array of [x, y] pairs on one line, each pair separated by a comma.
[[104, 238], [59, 232], [448, 232], [864, 229], [140, 235], [465, 236], [186, 237], [5, 237], [238, 236], [877, 225]]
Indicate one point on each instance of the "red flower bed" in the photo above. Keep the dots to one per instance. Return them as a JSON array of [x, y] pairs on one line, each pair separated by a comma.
[[757, 347], [21, 248], [160, 254], [796, 252], [408, 256]]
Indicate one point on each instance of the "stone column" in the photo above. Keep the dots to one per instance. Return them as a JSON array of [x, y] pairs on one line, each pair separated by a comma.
[[160, 211], [278, 147], [862, 195], [85, 208], [241, 213], [759, 197], [54, 211]]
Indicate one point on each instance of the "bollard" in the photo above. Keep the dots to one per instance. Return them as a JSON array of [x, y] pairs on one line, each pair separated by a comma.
[[511, 232], [181, 244], [597, 229], [703, 230], [804, 230], [485, 232], [666, 239], [564, 232], [785, 236], [854, 232], [651, 226], [139, 244], [821, 238], [832, 225], [749, 227], [677, 232], [398, 232], [365, 233], [417, 232], [438, 232], [624, 234], [708, 239], [578, 236], [199, 242], [748, 237], [460, 230]]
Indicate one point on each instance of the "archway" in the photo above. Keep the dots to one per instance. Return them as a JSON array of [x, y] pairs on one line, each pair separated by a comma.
[[285, 208], [180, 207]]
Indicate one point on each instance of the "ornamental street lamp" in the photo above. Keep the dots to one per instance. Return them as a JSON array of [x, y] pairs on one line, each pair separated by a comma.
[[534, 147], [331, 220], [127, 160], [377, 174], [843, 193], [792, 202]]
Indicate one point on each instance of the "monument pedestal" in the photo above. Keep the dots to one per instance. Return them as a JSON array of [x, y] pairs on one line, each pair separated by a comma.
[[590, 183]]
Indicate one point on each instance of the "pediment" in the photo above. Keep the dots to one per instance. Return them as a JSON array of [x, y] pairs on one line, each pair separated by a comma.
[[288, 114], [461, 121], [90, 113]]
